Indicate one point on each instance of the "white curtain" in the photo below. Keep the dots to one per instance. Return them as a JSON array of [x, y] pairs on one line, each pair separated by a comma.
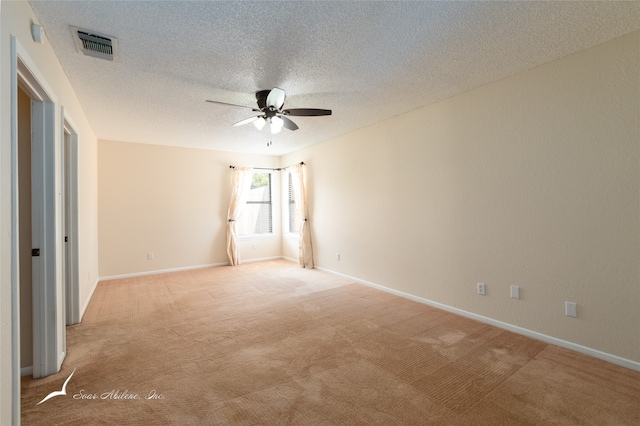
[[241, 178], [305, 252]]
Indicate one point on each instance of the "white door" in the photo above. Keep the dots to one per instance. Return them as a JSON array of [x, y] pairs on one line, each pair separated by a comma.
[[70, 222], [46, 337]]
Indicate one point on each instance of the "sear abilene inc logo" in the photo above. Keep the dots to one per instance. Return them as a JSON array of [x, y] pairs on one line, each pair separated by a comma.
[[62, 391], [114, 394]]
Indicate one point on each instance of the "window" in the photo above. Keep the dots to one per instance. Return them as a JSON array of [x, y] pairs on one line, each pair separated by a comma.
[[295, 219], [257, 215]]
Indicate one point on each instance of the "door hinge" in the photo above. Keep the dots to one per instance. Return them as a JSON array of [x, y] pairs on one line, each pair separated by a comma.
[[66, 239], [35, 252]]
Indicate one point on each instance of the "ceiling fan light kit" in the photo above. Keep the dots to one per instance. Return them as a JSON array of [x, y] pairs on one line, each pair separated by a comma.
[[276, 124], [270, 104], [259, 122]]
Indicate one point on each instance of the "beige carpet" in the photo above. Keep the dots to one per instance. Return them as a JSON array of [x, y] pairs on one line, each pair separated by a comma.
[[272, 343]]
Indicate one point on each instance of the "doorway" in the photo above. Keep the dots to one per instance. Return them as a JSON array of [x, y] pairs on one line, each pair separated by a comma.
[[44, 251], [25, 232]]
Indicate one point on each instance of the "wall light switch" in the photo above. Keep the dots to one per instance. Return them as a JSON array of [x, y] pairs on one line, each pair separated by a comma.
[[515, 292], [570, 309]]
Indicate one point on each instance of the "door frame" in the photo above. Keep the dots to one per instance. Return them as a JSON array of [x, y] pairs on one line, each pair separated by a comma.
[[48, 352]]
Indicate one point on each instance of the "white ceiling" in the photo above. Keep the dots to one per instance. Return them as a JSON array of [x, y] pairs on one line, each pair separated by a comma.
[[366, 61]]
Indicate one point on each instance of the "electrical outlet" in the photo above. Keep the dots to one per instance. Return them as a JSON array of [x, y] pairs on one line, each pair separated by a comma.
[[571, 309], [150, 255], [338, 256], [515, 292], [482, 289]]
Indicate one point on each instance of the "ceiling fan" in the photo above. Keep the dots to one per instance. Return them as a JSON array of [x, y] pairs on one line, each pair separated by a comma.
[[270, 104]]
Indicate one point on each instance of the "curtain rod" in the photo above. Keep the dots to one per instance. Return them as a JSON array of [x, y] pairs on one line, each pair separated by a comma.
[[266, 168]]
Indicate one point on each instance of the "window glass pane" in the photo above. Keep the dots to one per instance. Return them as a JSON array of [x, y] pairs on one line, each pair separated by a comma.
[[257, 215], [260, 187], [295, 219], [255, 219]]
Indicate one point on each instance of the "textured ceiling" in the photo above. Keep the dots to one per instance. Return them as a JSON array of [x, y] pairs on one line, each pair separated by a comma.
[[366, 61]]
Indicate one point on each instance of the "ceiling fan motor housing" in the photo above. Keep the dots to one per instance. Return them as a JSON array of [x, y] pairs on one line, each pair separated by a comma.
[[261, 97]]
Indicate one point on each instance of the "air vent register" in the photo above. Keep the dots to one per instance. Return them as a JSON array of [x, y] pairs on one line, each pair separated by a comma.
[[94, 44]]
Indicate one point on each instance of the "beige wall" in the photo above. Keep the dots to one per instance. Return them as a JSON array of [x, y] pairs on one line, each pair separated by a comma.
[[16, 18], [172, 202], [531, 181]]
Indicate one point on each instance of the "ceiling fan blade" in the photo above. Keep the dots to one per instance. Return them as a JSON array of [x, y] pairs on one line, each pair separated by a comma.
[[275, 99], [288, 124], [306, 112], [246, 121], [235, 105]]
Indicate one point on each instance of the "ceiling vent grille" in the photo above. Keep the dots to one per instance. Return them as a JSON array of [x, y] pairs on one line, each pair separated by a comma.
[[94, 44]]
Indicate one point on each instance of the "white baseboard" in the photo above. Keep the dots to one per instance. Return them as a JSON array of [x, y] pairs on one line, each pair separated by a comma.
[[26, 371], [86, 303], [614, 359], [184, 268], [61, 358], [259, 259], [161, 271]]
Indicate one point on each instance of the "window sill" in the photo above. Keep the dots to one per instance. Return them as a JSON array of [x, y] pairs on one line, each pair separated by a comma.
[[256, 236]]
